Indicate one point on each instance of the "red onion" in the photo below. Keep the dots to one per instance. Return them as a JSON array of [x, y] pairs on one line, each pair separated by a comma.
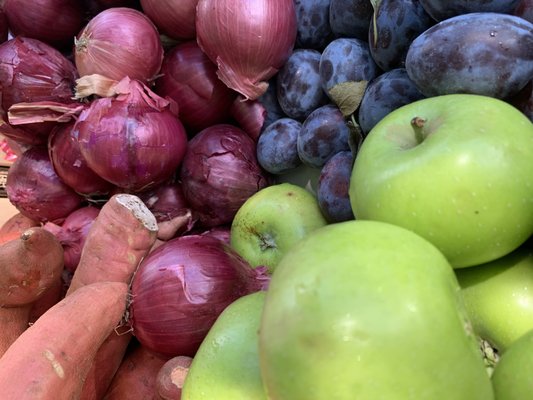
[[219, 232], [189, 77], [250, 115], [119, 42], [172, 213], [34, 188], [70, 165], [133, 140], [181, 287], [56, 22], [4, 27], [220, 172], [72, 233], [174, 18], [33, 71], [249, 40]]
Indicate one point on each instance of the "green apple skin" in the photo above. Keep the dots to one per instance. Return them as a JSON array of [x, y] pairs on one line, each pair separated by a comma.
[[368, 310], [462, 179], [226, 365], [271, 221], [498, 297], [512, 378]]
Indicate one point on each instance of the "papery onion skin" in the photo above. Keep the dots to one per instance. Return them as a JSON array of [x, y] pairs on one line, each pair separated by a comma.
[[250, 115], [134, 140], [70, 165], [189, 77], [220, 172], [181, 287], [174, 18], [72, 233], [249, 40], [119, 42], [35, 189], [31, 71], [55, 22]]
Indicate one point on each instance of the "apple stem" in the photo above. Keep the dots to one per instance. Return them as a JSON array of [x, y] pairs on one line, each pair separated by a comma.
[[418, 125]]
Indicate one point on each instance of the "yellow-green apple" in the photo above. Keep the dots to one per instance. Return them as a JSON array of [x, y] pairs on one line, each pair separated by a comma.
[[456, 169], [499, 297], [367, 310], [511, 378], [272, 220], [226, 366]]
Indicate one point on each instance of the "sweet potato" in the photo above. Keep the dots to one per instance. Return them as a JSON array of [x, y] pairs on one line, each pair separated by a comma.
[[29, 266], [51, 359], [171, 377], [14, 226], [136, 377], [119, 238]]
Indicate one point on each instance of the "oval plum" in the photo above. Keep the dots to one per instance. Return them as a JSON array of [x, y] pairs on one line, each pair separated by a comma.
[[488, 54]]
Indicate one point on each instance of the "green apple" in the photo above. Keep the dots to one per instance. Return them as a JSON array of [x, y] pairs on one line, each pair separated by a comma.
[[271, 221], [226, 365], [512, 379], [456, 169], [499, 297], [368, 310]]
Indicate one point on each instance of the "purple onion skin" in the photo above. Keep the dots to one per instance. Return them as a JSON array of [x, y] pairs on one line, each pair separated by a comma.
[[72, 233], [4, 27], [189, 77], [220, 172], [70, 166], [35, 189], [55, 22], [130, 143], [31, 70], [181, 288]]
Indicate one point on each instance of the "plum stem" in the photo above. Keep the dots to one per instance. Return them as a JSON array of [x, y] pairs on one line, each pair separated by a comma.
[[418, 125]]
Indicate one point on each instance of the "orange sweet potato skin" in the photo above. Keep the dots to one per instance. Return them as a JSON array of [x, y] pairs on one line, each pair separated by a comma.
[[120, 237], [51, 359], [30, 265], [136, 377], [14, 226]]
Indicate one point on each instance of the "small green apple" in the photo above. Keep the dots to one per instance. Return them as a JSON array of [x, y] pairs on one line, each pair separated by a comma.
[[226, 365], [271, 221], [498, 296], [512, 378], [367, 310], [456, 169]]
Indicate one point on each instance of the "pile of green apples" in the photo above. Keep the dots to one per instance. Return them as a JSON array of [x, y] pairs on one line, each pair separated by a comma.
[[426, 294]]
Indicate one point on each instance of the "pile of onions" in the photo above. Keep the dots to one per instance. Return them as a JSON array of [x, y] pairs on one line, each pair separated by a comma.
[[133, 140], [35, 189], [55, 22], [33, 71], [174, 18], [248, 40], [189, 77], [180, 289], [70, 165], [72, 233], [220, 172], [119, 42]]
